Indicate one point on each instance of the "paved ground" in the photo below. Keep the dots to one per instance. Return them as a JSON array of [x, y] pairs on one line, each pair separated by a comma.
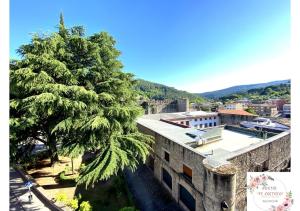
[[148, 194], [19, 195]]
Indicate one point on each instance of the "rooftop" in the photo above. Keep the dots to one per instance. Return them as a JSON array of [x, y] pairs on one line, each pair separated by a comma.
[[230, 140], [179, 115], [236, 112]]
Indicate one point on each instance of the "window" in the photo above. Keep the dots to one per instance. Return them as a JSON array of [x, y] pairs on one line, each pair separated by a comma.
[[167, 178], [167, 156], [187, 122], [215, 124], [209, 117], [205, 118], [187, 172], [200, 119], [205, 124], [201, 125], [215, 117], [186, 198], [195, 120], [182, 123], [210, 124]]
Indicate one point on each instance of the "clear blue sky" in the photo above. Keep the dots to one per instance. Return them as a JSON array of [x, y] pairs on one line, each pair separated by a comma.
[[174, 42]]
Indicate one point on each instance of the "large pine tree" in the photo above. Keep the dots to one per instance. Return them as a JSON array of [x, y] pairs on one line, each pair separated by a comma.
[[68, 90]]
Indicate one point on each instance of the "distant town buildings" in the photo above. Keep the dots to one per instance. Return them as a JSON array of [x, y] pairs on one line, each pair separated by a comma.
[[234, 106], [264, 109], [205, 169]]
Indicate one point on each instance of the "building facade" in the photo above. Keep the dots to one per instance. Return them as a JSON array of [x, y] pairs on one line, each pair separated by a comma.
[[197, 119], [234, 106], [234, 117], [268, 110], [278, 102]]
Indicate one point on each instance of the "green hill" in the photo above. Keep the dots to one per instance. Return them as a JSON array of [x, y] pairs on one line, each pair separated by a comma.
[[160, 92], [274, 91], [240, 89]]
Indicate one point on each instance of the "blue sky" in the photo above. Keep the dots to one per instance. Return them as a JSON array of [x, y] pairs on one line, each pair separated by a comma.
[[193, 45]]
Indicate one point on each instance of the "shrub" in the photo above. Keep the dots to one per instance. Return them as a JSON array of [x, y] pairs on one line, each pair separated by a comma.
[[66, 179], [62, 176], [61, 197], [85, 206], [73, 203]]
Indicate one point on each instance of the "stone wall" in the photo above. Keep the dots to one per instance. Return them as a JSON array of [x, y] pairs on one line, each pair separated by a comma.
[[273, 154], [165, 106], [211, 185], [231, 119]]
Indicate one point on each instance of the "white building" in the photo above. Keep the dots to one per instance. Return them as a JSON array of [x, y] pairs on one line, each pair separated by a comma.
[[196, 119]]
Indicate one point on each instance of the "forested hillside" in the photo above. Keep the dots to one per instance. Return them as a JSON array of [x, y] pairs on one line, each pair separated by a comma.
[[275, 91], [239, 89], [159, 92]]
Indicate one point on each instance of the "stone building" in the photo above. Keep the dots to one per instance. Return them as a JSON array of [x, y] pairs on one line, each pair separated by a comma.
[[205, 170], [165, 106]]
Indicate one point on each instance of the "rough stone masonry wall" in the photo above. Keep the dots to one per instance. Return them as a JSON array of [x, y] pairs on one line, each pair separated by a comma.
[[275, 156]]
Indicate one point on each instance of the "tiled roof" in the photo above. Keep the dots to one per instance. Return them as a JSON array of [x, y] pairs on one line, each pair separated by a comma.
[[236, 112]]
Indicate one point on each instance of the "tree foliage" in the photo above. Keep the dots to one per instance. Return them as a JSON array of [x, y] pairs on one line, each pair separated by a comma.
[[69, 90]]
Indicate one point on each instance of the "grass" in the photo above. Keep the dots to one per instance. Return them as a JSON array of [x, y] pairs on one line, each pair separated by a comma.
[[107, 196]]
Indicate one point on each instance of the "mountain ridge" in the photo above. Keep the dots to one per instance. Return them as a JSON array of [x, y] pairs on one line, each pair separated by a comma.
[[239, 89]]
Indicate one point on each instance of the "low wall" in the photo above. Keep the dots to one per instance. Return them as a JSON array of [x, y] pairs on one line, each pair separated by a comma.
[[39, 192]]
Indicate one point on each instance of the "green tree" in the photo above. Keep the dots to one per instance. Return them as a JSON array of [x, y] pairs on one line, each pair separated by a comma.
[[68, 90], [250, 110]]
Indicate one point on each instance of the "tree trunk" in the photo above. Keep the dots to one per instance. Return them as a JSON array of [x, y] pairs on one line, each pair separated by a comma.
[[53, 149]]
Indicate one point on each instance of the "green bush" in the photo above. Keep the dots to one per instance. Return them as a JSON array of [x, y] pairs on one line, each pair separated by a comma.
[[62, 176], [73, 203], [61, 197], [66, 179], [85, 206]]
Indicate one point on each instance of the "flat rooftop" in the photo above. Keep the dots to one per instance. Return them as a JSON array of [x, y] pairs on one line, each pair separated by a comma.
[[179, 115], [230, 142]]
